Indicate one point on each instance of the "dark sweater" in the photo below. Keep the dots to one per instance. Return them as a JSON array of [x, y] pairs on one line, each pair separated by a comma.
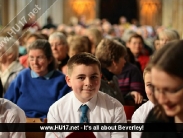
[[158, 127], [131, 80], [36, 95]]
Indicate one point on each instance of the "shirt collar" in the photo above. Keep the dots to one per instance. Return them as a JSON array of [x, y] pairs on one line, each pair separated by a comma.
[[47, 76], [91, 104]]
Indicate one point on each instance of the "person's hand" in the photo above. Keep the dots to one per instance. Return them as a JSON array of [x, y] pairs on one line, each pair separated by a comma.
[[137, 97]]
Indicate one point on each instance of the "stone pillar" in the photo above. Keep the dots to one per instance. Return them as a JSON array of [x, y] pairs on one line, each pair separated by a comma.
[[173, 15], [11, 11]]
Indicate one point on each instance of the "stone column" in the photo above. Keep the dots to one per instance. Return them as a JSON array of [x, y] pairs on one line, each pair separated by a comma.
[[173, 15]]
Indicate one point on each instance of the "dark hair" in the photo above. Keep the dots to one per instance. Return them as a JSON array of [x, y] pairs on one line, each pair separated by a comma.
[[82, 58], [44, 45], [108, 51], [136, 36]]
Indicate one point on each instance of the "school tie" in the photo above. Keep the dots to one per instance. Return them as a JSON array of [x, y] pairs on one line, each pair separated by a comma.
[[84, 109]]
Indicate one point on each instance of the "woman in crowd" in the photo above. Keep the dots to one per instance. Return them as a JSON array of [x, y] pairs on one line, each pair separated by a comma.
[[36, 88], [59, 48], [111, 54], [142, 112], [167, 79], [28, 40], [9, 65], [95, 37], [166, 36]]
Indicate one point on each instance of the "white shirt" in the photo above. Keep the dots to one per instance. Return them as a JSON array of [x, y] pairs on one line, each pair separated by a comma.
[[11, 113], [102, 109], [139, 116]]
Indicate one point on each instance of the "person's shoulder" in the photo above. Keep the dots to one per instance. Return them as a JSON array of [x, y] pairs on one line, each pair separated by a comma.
[[146, 106], [8, 103], [19, 66], [13, 112], [24, 71], [22, 74], [157, 115], [108, 100], [58, 73], [131, 67], [58, 76], [143, 110], [62, 101]]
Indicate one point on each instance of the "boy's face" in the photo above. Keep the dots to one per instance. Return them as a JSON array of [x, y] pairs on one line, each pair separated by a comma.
[[85, 81], [148, 86]]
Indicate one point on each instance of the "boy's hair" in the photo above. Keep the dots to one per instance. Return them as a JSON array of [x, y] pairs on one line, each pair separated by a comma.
[[147, 70], [108, 51], [82, 58]]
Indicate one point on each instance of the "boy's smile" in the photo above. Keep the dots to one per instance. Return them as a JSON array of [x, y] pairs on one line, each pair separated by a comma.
[[85, 81]]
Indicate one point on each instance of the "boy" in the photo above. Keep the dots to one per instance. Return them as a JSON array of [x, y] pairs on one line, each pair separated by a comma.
[[84, 76]]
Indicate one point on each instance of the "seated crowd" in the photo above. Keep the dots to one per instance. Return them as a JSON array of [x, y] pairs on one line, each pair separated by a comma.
[[61, 72]]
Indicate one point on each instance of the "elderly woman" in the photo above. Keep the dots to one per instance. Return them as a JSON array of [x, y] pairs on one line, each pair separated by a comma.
[[59, 48], [9, 66], [36, 88], [167, 79]]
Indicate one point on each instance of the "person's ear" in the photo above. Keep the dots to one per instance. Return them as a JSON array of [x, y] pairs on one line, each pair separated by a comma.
[[68, 80]]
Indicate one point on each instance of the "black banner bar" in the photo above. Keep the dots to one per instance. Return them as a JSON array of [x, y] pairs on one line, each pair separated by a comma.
[[94, 127]]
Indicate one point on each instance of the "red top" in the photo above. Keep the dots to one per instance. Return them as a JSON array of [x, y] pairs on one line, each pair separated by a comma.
[[143, 60], [23, 60]]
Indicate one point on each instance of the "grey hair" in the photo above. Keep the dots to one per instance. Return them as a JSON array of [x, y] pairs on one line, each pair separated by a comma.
[[59, 35], [170, 34], [10, 46]]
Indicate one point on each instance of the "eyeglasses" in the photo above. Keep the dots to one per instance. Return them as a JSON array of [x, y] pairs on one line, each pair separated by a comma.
[[167, 92], [38, 58]]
